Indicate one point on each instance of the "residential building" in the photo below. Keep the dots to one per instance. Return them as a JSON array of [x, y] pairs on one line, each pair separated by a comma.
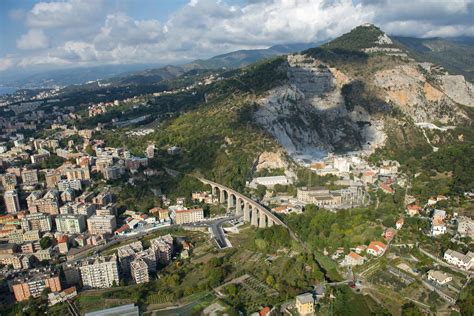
[[439, 277], [71, 223], [126, 254], [399, 223], [29, 177], [413, 209], [99, 225], [12, 201], [78, 174], [466, 227], [189, 216], [438, 226], [69, 184], [38, 221], [139, 270], [353, 259], [113, 172], [9, 181], [305, 304], [52, 177], [68, 195], [99, 272], [376, 248], [48, 203], [34, 284], [163, 248], [460, 260]]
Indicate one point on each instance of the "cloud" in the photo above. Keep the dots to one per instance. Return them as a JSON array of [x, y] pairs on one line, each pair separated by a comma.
[[67, 14], [83, 32], [34, 39]]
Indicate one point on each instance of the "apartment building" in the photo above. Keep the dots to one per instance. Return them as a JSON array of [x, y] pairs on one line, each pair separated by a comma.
[[126, 254], [47, 203], [163, 248], [305, 304], [69, 184], [139, 270], [78, 174], [38, 221], [70, 223], [12, 201], [319, 196], [52, 177], [34, 284], [99, 272], [189, 216], [29, 177], [98, 225], [9, 181]]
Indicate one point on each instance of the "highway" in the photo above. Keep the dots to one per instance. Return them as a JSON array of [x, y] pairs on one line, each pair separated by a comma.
[[217, 230]]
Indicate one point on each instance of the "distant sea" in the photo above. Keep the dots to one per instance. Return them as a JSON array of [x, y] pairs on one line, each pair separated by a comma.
[[6, 90]]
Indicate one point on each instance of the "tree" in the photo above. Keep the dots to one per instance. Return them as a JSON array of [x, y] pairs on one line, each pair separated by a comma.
[[45, 242], [261, 190]]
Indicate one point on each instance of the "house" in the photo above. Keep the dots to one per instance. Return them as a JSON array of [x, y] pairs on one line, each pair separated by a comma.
[[438, 226], [360, 249], [352, 259], [399, 223], [387, 188], [464, 262], [265, 311], [305, 304], [376, 248], [466, 227], [439, 277], [413, 209]]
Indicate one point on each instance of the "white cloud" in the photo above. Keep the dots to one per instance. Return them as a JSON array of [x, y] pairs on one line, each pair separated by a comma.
[[34, 39], [65, 14], [92, 32]]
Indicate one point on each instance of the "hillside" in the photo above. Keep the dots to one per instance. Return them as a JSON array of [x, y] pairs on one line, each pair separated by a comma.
[[454, 55], [336, 98]]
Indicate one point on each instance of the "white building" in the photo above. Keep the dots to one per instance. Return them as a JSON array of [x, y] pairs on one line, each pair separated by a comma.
[[70, 223], [12, 202], [342, 164], [439, 277], [104, 224], [459, 260], [269, 181], [100, 272]]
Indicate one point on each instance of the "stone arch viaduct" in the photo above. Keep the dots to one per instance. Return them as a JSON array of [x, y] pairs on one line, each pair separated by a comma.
[[252, 211]]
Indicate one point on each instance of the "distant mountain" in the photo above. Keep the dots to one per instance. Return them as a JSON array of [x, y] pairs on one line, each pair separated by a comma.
[[142, 73], [456, 54], [69, 76], [242, 58]]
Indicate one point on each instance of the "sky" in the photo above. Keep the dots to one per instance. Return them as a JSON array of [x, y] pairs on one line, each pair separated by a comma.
[[71, 33]]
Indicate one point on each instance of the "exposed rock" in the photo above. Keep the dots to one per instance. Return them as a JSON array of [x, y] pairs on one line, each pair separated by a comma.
[[458, 89], [270, 160]]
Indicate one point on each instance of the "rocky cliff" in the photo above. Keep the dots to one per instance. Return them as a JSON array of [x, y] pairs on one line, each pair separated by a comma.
[[337, 100]]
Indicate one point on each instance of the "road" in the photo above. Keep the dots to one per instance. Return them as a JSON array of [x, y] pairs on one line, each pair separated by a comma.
[[217, 230]]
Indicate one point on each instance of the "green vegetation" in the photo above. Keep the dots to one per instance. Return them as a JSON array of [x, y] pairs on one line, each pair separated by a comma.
[[52, 162], [357, 39], [322, 229], [466, 300]]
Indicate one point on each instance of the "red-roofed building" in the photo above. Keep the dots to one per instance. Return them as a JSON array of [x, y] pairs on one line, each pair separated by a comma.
[[265, 311], [399, 223], [122, 229], [387, 188], [376, 248], [413, 209]]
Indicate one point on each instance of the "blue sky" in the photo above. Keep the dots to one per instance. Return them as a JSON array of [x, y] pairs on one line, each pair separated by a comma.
[[47, 34]]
